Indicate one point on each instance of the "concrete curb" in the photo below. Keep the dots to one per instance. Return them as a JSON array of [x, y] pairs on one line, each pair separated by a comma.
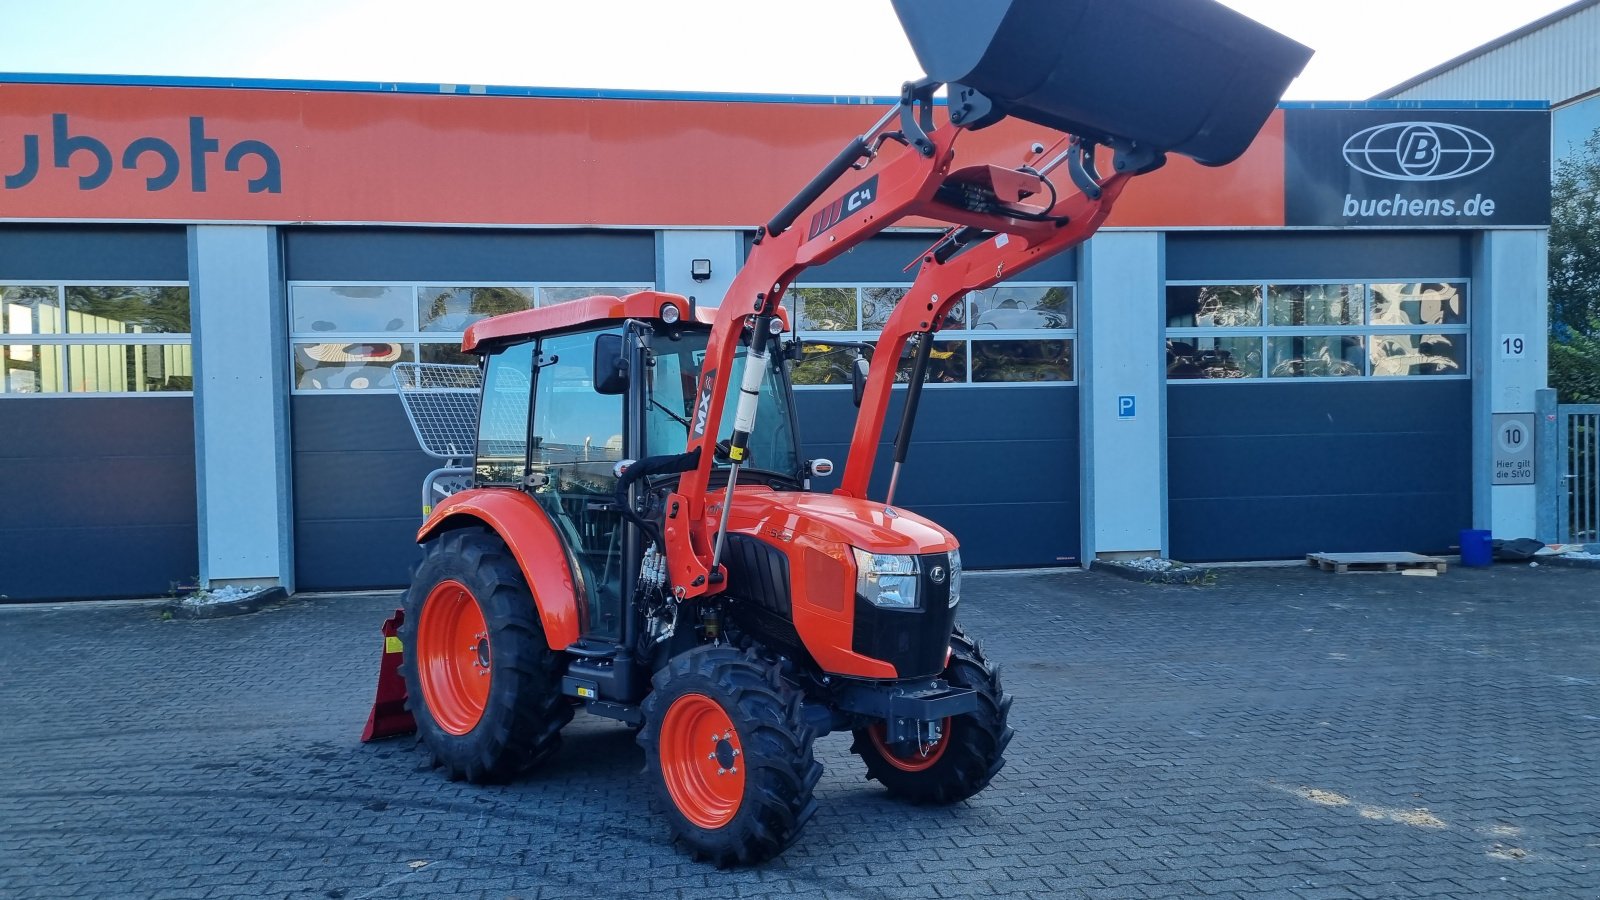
[[1182, 573], [260, 600]]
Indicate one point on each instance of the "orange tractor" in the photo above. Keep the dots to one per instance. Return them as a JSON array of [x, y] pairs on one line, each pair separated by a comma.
[[627, 545]]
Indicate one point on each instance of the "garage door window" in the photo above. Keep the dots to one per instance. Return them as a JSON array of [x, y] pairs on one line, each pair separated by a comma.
[[1011, 334], [347, 337], [1284, 331], [100, 339]]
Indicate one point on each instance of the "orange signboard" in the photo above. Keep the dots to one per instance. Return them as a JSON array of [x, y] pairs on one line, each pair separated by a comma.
[[202, 154]]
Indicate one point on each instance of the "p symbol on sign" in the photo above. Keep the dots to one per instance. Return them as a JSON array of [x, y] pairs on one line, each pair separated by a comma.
[[1125, 406]]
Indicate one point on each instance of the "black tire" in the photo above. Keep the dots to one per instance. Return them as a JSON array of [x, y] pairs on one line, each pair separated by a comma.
[[524, 712], [974, 745], [780, 772]]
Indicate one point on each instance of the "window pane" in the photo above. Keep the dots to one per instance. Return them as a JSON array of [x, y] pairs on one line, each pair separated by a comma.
[[453, 309], [448, 354], [823, 364], [30, 310], [129, 368], [1223, 306], [550, 296], [1419, 304], [1315, 304], [128, 310], [574, 423], [824, 309], [1316, 357], [30, 369], [351, 309], [357, 365], [1014, 361], [1007, 308], [1419, 354], [503, 422], [876, 305], [1203, 357], [947, 363]]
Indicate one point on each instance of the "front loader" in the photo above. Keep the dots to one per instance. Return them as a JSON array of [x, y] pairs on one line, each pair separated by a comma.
[[630, 546]]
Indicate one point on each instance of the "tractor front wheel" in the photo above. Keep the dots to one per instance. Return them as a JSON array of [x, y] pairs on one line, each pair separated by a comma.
[[971, 747], [728, 754], [481, 681]]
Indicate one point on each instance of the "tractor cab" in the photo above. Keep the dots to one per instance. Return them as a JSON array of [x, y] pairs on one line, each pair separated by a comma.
[[564, 412]]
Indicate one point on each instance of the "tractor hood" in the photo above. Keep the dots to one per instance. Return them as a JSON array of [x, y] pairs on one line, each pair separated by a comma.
[[782, 516]]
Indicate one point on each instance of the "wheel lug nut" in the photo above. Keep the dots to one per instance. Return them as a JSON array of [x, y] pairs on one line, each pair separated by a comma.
[[722, 771]]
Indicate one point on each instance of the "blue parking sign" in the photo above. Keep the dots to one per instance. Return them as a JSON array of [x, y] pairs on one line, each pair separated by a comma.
[[1125, 406]]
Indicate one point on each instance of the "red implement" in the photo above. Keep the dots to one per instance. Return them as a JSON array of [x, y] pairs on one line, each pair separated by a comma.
[[389, 716]]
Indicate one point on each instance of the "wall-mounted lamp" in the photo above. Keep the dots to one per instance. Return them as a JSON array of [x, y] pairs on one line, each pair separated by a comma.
[[700, 269]]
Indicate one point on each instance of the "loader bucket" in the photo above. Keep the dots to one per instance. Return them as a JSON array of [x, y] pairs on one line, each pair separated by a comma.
[[1179, 76]]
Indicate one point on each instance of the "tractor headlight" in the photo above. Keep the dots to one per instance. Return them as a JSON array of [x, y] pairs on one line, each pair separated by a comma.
[[955, 576], [886, 580]]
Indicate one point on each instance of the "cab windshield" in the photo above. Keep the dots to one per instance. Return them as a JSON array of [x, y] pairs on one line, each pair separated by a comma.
[[670, 394]]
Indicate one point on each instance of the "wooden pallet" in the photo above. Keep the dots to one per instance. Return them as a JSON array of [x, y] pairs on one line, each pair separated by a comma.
[[1343, 563]]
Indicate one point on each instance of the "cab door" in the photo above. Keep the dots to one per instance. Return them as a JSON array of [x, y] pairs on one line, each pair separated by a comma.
[[577, 437]]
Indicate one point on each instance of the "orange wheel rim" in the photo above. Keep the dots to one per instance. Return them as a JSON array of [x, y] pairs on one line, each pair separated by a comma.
[[918, 759], [701, 761], [453, 661]]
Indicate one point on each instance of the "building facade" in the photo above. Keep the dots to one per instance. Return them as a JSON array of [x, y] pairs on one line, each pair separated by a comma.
[[206, 283]]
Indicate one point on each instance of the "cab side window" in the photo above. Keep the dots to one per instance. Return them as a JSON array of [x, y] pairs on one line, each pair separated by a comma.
[[503, 422]]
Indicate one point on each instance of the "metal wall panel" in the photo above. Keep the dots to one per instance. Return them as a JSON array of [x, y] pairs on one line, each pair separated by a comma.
[[468, 254], [1195, 256], [1555, 63], [99, 497], [1275, 471], [85, 253], [357, 488], [884, 259]]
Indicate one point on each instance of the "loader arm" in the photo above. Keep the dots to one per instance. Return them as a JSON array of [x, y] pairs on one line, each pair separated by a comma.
[[916, 181], [941, 283]]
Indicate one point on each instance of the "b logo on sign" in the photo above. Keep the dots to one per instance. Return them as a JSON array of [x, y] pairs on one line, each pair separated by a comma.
[[1418, 151]]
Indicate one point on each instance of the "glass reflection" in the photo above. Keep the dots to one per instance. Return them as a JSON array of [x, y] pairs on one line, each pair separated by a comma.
[[947, 363], [1418, 304], [30, 369], [1191, 357], [1419, 354], [129, 368], [876, 305], [348, 365], [1332, 356], [30, 310], [454, 308], [825, 309], [351, 309], [1021, 361], [1021, 308], [1219, 306], [1315, 304], [128, 310]]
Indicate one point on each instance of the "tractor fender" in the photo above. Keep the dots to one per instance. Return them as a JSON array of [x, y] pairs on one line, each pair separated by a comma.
[[535, 544]]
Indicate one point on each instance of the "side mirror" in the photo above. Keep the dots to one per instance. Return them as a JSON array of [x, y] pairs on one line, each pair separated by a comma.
[[610, 365], [859, 370]]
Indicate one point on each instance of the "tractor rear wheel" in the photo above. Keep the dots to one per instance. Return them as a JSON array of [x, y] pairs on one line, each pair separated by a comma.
[[481, 680], [971, 747], [728, 754]]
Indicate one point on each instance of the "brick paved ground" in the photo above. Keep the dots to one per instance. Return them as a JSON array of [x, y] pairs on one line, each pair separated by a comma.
[[1283, 733]]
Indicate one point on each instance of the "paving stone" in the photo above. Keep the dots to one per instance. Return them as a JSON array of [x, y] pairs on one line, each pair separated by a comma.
[[1282, 733]]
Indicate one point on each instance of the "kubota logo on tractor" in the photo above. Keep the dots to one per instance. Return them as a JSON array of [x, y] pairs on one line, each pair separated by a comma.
[[1418, 151]]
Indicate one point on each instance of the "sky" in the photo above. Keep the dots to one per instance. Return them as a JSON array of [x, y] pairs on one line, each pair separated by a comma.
[[830, 47]]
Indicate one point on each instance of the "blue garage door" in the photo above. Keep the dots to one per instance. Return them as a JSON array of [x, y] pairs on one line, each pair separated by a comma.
[[1318, 395], [362, 300], [995, 457], [97, 441]]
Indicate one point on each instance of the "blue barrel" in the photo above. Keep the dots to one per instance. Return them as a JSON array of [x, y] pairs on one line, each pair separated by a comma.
[[1476, 550]]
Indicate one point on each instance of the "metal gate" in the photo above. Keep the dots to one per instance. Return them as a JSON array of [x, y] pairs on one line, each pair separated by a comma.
[[1578, 498]]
